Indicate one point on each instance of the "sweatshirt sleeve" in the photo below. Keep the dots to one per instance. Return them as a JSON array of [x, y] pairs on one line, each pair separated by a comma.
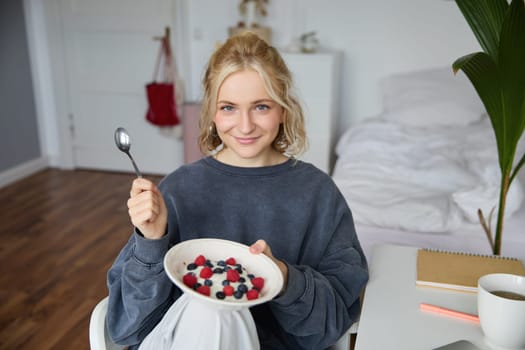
[[321, 302], [139, 290]]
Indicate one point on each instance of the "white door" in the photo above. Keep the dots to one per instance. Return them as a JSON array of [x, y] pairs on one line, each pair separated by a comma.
[[110, 57]]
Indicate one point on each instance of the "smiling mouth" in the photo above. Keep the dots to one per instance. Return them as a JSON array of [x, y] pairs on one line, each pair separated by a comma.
[[246, 140]]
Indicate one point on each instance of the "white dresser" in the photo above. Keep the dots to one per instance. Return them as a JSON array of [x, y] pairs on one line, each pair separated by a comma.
[[316, 77]]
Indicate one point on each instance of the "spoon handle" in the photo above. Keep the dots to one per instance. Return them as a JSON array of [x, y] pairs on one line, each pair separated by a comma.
[[137, 171]]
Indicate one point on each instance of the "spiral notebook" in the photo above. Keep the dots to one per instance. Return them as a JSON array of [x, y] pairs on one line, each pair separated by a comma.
[[461, 271]]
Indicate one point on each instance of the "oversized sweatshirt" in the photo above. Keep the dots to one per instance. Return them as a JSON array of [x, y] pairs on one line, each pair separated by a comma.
[[296, 208]]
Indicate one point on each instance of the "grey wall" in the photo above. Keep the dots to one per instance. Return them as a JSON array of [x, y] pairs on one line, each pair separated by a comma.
[[19, 140]]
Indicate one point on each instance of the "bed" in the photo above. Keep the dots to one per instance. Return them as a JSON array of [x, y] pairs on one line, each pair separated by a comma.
[[417, 173]]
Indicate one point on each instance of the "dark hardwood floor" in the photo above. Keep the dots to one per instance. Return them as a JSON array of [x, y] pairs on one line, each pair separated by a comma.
[[59, 233]]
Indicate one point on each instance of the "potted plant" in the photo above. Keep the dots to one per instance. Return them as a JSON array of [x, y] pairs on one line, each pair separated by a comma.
[[498, 75]]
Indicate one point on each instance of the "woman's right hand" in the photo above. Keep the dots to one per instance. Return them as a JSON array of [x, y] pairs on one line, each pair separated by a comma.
[[147, 209]]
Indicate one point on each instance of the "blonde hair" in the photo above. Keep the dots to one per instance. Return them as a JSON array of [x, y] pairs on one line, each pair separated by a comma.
[[249, 51]]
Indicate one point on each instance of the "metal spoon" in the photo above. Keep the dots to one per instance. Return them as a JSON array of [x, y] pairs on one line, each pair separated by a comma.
[[123, 143]]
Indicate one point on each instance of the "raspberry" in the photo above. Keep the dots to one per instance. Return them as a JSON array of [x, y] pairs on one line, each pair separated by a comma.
[[206, 272], [258, 282], [234, 284], [227, 290], [205, 290], [252, 294], [231, 261], [232, 275], [200, 260], [189, 279]]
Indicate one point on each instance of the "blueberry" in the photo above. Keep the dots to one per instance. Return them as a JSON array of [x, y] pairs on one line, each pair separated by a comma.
[[208, 263], [220, 295], [242, 288], [196, 285], [238, 294], [218, 270], [208, 283], [221, 263], [251, 275], [239, 269], [225, 283], [192, 266], [242, 279]]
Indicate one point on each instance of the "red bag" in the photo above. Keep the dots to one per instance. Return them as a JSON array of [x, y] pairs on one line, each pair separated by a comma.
[[162, 109]]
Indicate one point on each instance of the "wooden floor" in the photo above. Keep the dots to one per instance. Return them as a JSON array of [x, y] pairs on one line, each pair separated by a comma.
[[59, 233]]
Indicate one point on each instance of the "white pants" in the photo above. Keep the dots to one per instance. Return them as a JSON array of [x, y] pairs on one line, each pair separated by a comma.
[[194, 324]]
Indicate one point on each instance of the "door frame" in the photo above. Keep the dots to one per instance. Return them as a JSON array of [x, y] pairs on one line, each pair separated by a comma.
[[44, 26]]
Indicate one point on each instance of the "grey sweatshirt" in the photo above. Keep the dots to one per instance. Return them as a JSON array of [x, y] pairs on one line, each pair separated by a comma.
[[300, 213]]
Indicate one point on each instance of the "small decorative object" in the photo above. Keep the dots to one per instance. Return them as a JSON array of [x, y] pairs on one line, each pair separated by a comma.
[[251, 11], [309, 42], [498, 75]]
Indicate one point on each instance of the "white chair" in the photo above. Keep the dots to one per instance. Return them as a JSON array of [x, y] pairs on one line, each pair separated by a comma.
[[99, 338], [345, 341], [98, 334]]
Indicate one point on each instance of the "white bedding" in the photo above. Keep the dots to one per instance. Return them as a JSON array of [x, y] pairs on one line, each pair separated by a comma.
[[471, 240], [420, 179], [417, 174]]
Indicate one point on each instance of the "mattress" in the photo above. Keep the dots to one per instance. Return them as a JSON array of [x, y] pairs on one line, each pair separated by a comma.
[[472, 240]]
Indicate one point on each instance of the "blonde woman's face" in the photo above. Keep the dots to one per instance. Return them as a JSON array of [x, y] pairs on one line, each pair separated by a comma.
[[247, 121]]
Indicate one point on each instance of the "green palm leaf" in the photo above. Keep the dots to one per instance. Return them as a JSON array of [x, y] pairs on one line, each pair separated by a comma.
[[512, 70], [484, 76], [498, 75], [485, 18]]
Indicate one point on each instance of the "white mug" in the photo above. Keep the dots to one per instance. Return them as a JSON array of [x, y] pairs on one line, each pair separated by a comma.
[[502, 319]]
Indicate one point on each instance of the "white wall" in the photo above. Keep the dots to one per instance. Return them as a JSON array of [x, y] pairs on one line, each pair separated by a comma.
[[377, 38]]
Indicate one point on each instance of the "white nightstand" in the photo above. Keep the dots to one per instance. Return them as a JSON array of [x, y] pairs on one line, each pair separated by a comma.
[[316, 77]]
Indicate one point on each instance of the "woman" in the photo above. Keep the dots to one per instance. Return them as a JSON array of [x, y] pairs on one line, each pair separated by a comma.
[[249, 189]]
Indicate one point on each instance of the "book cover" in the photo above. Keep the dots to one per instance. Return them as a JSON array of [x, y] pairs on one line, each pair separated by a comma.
[[461, 271]]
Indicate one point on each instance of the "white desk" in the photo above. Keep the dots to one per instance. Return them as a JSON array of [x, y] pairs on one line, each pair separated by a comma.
[[391, 319]]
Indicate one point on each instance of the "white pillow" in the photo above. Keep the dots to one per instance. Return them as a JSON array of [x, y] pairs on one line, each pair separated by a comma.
[[431, 97]]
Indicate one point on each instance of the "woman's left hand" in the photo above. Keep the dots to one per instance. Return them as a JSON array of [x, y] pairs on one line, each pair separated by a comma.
[[262, 247]]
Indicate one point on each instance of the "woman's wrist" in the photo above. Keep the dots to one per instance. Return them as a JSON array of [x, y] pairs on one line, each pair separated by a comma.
[[284, 270]]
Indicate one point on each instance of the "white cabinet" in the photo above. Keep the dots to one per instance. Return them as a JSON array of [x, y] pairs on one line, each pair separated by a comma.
[[316, 77]]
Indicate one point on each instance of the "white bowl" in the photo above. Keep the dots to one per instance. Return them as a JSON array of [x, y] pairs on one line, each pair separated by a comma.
[[180, 255], [502, 320]]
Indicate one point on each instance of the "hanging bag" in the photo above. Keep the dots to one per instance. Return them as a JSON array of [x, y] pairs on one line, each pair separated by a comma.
[[162, 108]]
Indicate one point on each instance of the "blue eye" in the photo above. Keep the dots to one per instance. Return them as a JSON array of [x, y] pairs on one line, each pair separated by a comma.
[[262, 107], [226, 108]]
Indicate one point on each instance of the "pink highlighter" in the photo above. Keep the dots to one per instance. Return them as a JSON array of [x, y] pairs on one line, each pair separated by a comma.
[[449, 312]]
